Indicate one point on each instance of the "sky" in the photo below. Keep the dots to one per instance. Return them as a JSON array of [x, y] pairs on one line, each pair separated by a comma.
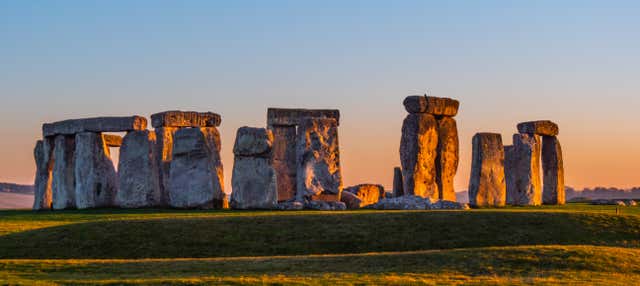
[[573, 62]]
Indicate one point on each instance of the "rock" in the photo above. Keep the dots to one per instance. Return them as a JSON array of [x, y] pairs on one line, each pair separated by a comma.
[[43, 154], [196, 175], [255, 142], [325, 206], [318, 159], [388, 194], [448, 205], [112, 140], [487, 184], [541, 127], [164, 155], [177, 118], [138, 171], [368, 193], [553, 172], [407, 202], [97, 124], [418, 155], [351, 200], [398, 189], [447, 158], [290, 206], [254, 179], [63, 183], [284, 160], [432, 105], [522, 169], [96, 179], [293, 117]]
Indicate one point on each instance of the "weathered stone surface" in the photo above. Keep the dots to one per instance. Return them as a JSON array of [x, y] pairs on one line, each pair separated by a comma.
[[63, 184], [254, 184], [283, 156], [407, 202], [293, 116], [138, 175], [398, 189], [448, 205], [486, 184], [96, 124], [351, 200], [164, 155], [196, 175], [43, 154], [112, 140], [290, 206], [96, 179], [447, 158], [325, 206], [318, 159], [368, 193], [418, 155], [522, 169], [432, 105], [255, 142], [177, 118], [540, 127], [553, 170]]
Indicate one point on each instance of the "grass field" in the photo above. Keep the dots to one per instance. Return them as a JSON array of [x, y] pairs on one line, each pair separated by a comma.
[[573, 244]]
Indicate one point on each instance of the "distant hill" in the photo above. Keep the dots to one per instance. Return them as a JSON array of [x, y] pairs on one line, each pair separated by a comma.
[[588, 193], [16, 188]]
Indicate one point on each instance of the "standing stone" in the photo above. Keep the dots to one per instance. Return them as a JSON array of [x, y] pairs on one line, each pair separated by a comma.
[[253, 179], [112, 140], [163, 156], [398, 189], [432, 105], [96, 179], [553, 169], [418, 155], [44, 165], [138, 171], [63, 184], [196, 175], [487, 184], [318, 160], [523, 171], [284, 160], [447, 158]]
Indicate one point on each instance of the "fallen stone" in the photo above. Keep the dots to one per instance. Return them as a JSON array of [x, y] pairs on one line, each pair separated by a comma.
[[432, 105], [398, 189], [351, 200], [541, 127], [368, 193], [553, 172], [325, 206], [522, 169], [255, 142], [253, 179], [196, 175], [97, 124], [292, 117], [418, 155], [318, 159], [407, 202], [290, 206], [448, 205], [138, 171], [63, 183], [284, 161], [96, 179], [43, 154], [112, 140], [176, 118], [164, 155], [487, 184], [447, 158]]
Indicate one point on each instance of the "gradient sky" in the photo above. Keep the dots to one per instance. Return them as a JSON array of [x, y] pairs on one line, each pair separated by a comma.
[[574, 62]]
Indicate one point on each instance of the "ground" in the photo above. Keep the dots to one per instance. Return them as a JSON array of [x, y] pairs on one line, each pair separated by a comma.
[[573, 244]]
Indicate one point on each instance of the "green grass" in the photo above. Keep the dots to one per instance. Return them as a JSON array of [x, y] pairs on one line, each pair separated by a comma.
[[572, 244]]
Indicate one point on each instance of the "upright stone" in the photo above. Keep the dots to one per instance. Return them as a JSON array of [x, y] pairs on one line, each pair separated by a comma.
[[176, 118], [318, 160], [487, 184], [63, 184], [284, 160], [431, 105], [112, 140], [164, 155], [553, 169], [43, 154], [253, 179], [138, 171], [96, 124], [447, 158], [523, 171], [398, 189], [196, 175], [96, 179], [418, 155], [540, 127]]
